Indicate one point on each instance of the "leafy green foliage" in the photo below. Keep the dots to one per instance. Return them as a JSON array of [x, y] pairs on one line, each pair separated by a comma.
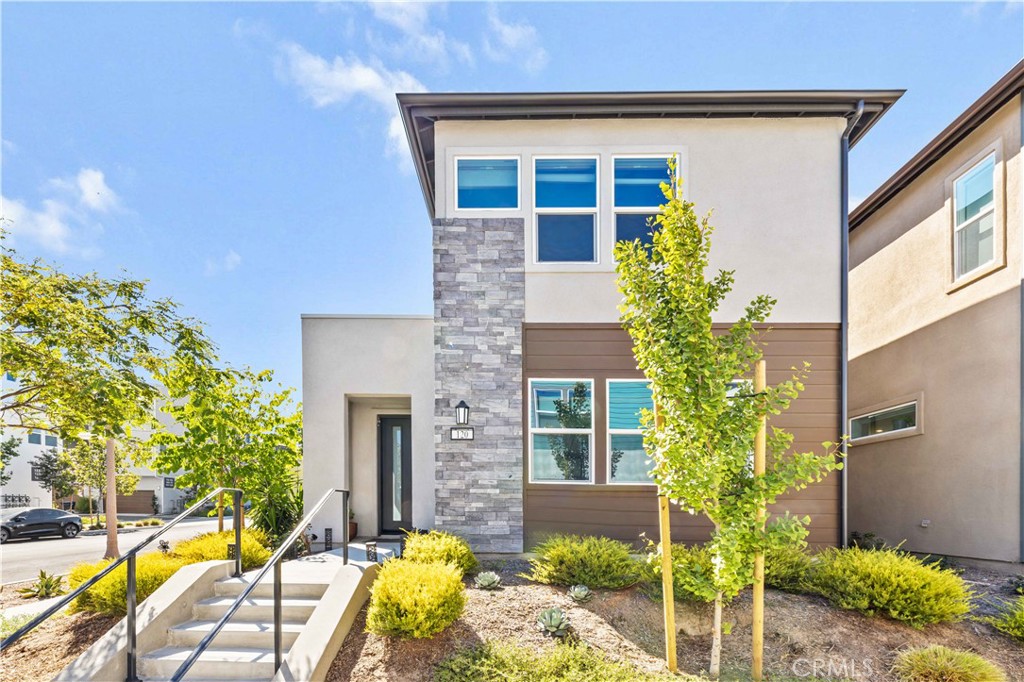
[[553, 622], [11, 624], [587, 560], [440, 547], [8, 451], [54, 473], [45, 587], [571, 452], [110, 595], [1016, 583], [580, 594], [692, 572], [417, 600], [86, 460], [1011, 621], [891, 583], [941, 664], [568, 662], [488, 580], [214, 546], [277, 507], [867, 540], [786, 568]]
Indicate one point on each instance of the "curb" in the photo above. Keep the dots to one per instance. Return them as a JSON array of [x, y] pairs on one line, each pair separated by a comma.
[[119, 531]]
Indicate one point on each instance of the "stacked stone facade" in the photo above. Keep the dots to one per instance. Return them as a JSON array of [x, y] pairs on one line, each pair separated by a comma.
[[479, 306]]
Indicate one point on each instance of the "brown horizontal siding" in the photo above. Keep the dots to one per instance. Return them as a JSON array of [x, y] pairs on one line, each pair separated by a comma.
[[624, 512]]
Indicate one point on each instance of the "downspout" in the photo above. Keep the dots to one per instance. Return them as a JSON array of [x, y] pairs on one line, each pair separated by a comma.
[[1020, 321], [844, 313]]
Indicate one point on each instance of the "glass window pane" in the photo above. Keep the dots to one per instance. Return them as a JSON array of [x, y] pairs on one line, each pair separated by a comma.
[[625, 400], [974, 191], [35, 438], [566, 183], [565, 238], [629, 460], [488, 183], [560, 405], [632, 226], [638, 182], [897, 418], [561, 457], [975, 244]]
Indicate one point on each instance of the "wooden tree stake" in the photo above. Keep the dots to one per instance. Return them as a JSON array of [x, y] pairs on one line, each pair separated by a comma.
[[757, 657], [668, 593]]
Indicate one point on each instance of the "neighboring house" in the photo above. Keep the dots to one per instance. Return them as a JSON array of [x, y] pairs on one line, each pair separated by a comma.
[[23, 488], [936, 299], [527, 194]]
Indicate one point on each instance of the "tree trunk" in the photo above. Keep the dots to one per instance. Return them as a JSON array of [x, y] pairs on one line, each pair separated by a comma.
[[716, 638], [111, 506], [220, 513]]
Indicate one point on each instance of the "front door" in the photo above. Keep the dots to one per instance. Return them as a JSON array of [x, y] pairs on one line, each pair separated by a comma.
[[395, 457]]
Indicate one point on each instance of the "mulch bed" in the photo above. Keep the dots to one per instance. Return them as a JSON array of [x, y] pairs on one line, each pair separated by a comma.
[[45, 651], [9, 594]]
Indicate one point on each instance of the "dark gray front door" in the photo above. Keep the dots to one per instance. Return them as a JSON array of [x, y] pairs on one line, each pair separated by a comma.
[[395, 456]]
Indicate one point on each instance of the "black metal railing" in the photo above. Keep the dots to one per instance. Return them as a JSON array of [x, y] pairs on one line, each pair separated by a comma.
[[275, 563], [129, 558]]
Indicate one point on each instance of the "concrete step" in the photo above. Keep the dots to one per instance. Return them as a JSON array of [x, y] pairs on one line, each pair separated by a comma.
[[232, 587], [221, 663], [245, 634], [255, 609]]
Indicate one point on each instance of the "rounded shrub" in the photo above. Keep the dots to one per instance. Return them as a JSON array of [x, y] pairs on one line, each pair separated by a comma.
[[440, 547], [417, 600], [1011, 621], [891, 583], [214, 546], [584, 560], [942, 664], [110, 595], [786, 568], [692, 572]]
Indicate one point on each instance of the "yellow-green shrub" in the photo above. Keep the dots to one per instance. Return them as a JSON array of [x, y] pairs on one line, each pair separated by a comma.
[[110, 595], [691, 572], [410, 599], [1011, 622], [786, 568], [891, 583], [214, 546], [439, 547], [941, 664], [584, 560]]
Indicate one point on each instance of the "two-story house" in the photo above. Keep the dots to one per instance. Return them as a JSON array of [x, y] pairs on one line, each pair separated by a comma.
[[936, 302], [527, 194]]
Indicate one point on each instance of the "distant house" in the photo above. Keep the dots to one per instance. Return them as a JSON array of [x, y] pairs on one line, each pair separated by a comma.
[[936, 300], [527, 194]]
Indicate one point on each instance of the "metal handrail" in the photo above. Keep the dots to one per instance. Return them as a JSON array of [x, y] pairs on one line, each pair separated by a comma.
[[275, 563], [129, 557]]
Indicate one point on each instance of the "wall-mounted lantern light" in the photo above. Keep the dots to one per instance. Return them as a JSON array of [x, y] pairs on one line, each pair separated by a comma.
[[462, 413]]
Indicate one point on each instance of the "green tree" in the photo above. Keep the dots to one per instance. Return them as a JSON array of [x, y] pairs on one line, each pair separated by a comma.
[[54, 473], [571, 452], [86, 459], [85, 351], [8, 451], [706, 416]]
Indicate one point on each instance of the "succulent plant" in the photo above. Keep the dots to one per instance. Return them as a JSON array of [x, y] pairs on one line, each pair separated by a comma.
[[47, 586], [488, 580], [580, 594], [553, 622]]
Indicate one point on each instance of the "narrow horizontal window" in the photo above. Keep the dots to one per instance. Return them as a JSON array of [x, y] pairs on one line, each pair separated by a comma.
[[638, 182], [974, 218], [627, 460], [35, 437], [569, 237], [890, 420], [487, 183], [565, 183], [51, 441], [561, 430]]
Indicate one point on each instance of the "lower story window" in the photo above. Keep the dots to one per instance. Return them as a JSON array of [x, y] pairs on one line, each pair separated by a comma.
[[561, 430], [890, 420], [627, 460]]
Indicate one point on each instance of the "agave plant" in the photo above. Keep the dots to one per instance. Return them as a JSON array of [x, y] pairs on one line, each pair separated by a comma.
[[553, 622], [488, 580], [47, 586], [580, 593]]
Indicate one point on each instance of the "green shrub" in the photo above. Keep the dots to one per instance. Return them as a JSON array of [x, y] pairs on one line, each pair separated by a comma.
[[11, 624], [416, 600], [584, 560], [891, 583], [941, 664], [786, 568], [569, 662], [440, 547], [1011, 622], [48, 585], [109, 595], [1016, 583], [691, 572], [82, 505], [214, 546]]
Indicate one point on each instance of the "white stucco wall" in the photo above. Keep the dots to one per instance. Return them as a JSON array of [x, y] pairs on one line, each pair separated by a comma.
[[20, 468], [773, 185], [354, 368]]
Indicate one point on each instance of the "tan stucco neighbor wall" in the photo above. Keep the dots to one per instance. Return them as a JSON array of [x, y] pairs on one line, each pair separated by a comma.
[[955, 488], [354, 368]]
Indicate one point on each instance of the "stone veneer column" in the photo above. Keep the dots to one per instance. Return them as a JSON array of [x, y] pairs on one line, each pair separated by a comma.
[[479, 305]]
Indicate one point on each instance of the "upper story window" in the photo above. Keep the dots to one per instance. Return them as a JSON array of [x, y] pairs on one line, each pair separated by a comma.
[[638, 195], [565, 202], [561, 430], [35, 437], [487, 183], [627, 459], [891, 420], [974, 218]]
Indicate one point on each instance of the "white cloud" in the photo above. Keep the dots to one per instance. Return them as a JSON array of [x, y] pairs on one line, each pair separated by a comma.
[[420, 41], [514, 42], [342, 80], [230, 261], [9, 146], [89, 188]]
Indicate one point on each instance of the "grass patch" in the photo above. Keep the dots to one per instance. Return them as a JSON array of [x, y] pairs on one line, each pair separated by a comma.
[[439, 547], [942, 664], [584, 560], [414, 600]]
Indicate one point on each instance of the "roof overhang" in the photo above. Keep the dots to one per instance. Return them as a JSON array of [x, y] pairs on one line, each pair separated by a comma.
[[999, 94], [420, 111]]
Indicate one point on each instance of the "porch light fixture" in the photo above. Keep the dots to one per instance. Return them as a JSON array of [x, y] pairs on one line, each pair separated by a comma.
[[462, 413]]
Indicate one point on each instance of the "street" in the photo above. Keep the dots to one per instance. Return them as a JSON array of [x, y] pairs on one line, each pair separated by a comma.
[[23, 559]]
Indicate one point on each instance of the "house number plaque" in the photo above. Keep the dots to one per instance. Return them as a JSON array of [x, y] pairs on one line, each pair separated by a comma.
[[462, 433]]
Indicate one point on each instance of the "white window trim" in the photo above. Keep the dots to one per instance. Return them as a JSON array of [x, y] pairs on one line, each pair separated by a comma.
[[488, 157], [530, 431], [998, 262], [990, 209], [595, 211], [618, 432], [636, 210], [917, 400]]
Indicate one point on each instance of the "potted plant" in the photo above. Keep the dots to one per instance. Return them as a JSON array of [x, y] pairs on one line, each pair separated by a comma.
[[353, 527]]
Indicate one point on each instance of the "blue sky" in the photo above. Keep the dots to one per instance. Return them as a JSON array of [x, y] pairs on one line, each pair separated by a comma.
[[243, 157]]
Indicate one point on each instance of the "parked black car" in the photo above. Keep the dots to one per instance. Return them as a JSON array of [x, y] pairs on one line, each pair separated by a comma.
[[34, 522]]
